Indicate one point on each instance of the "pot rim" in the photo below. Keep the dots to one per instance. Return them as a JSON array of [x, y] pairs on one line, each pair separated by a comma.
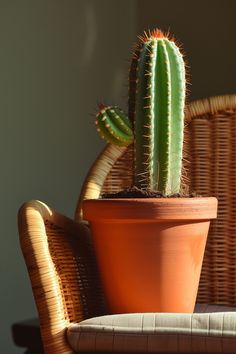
[[183, 208]]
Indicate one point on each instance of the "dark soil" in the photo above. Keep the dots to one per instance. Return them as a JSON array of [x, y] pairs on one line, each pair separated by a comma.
[[134, 192]]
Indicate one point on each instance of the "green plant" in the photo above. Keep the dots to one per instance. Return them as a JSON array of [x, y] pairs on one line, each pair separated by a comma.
[[156, 109], [114, 126]]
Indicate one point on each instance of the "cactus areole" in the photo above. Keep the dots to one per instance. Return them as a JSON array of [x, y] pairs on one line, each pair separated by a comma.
[[156, 104]]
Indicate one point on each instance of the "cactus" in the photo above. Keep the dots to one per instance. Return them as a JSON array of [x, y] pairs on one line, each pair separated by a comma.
[[156, 103], [114, 126], [156, 109]]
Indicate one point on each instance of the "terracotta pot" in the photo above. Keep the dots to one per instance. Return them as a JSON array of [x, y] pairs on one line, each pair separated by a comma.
[[150, 251]]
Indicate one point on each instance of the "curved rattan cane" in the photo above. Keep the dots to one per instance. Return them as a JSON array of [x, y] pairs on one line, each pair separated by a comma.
[[211, 154], [62, 270]]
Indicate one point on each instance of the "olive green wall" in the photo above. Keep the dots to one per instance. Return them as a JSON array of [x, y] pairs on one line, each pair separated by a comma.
[[58, 58], [207, 30]]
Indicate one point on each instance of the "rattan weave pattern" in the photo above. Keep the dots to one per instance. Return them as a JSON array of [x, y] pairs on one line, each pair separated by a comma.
[[213, 172]]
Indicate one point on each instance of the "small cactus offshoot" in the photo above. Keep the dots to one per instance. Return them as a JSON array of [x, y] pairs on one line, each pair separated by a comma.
[[114, 126]]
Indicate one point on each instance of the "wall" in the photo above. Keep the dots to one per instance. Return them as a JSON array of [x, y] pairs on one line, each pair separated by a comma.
[[207, 31], [58, 59]]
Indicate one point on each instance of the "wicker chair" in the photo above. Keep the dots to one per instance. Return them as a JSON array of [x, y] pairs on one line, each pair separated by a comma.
[[58, 251]]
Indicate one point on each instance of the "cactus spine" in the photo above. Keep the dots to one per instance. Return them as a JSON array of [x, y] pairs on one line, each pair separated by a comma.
[[157, 98], [114, 126]]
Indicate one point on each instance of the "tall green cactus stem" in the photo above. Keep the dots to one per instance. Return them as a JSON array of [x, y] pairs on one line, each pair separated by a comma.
[[158, 89], [114, 126]]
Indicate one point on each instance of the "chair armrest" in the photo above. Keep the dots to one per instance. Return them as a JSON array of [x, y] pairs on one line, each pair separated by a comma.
[[62, 270]]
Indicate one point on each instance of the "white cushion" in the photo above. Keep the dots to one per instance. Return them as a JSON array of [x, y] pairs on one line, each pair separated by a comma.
[[211, 329]]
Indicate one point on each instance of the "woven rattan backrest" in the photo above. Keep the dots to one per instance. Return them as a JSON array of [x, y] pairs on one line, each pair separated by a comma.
[[211, 148], [213, 173]]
